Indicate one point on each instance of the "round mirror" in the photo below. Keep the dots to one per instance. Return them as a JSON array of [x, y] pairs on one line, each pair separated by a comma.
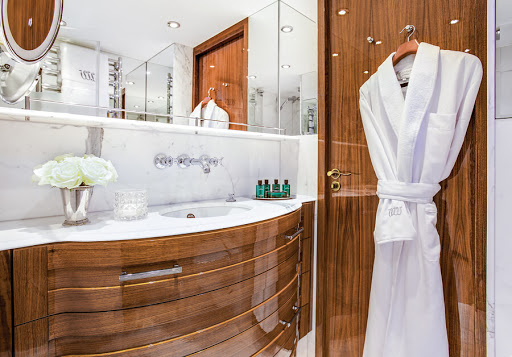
[[16, 79], [30, 27]]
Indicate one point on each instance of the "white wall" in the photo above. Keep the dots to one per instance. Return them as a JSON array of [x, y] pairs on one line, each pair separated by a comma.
[[23, 145]]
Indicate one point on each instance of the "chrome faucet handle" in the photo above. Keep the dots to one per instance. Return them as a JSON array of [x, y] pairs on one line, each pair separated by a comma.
[[231, 197], [183, 161], [214, 161], [162, 161]]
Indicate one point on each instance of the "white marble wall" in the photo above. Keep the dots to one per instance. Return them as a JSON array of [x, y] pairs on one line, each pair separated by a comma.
[[182, 79], [23, 145]]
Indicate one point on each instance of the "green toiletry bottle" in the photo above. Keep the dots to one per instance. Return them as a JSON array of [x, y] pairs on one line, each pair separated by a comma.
[[286, 188], [276, 187], [260, 189], [266, 189]]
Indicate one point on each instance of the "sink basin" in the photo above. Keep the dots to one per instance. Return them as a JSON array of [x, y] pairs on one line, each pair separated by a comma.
[[205, 210]]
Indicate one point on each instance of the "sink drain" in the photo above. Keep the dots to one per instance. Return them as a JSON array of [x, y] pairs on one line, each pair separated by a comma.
[[190, 215]]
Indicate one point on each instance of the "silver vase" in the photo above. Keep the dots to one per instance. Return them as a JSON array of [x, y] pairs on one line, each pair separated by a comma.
[[76, 205]]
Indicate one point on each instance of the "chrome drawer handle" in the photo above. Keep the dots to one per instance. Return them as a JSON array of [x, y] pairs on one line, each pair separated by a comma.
[[292, 236], [289, 323], [150, 274]]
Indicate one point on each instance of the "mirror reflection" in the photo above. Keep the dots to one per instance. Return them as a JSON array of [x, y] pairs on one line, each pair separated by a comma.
[[239, 65]]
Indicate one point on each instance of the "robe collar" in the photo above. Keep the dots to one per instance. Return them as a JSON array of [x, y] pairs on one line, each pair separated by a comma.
[[406, 115]]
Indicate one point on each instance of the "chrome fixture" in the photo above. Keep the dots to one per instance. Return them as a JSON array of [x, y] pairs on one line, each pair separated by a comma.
[[231, 197], [370, 39], [162, 161]]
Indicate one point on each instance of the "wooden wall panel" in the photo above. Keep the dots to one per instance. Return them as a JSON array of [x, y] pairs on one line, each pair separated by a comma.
[[31, 339], [227, 53], [346, 219], [5, 304]]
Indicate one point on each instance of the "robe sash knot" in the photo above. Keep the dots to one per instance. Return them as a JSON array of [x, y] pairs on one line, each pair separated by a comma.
[[394, 220]]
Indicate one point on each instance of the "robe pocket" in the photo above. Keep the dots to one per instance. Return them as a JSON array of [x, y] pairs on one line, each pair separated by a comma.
[[442, 121], [429, 237]]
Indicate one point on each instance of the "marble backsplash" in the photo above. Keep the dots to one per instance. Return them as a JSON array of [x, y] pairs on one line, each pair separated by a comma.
[[25, 144]]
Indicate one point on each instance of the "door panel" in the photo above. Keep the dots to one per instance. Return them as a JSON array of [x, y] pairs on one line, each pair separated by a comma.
[[346, 217]]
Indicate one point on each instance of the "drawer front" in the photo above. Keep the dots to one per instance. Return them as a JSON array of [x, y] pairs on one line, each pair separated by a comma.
[[108, 332]]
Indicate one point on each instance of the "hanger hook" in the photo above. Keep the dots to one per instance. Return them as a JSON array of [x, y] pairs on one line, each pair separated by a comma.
[[411, 29], [209, 90]]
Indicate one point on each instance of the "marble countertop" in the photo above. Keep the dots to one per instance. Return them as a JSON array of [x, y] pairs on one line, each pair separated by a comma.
[[103, 227]]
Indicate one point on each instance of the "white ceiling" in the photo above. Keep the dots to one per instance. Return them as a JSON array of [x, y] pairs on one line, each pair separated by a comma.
[[138, 29]]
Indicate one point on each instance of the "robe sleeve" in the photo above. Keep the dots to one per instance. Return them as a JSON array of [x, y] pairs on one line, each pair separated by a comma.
[[464, 114]]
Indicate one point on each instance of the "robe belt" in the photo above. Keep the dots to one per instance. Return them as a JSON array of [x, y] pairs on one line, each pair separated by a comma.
[[407, 192]]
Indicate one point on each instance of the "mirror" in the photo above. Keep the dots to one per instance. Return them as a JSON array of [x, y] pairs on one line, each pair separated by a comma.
[[503, 59], [222, 67]]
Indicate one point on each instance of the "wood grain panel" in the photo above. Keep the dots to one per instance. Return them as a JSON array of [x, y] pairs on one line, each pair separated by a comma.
[[305, 288], [346, 219], [305, 320], [31, 339], [5, 304], [308, 218], [282, 340], [81, 333], [40, 11], [30, 284], [152, 292], [227, 53]]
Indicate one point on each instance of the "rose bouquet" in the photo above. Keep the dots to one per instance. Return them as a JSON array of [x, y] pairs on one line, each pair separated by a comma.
[[69, 171]]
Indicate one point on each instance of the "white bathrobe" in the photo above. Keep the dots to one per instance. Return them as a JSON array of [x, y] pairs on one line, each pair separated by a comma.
[[210, 111], [413, 143]]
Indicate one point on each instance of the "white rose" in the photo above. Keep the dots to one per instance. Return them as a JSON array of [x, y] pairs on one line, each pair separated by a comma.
[[61, 158], [95, 172], [66, 174], [113, 170], [42, 173]]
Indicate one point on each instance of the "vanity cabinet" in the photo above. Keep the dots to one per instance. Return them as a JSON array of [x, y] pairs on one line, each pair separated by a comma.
[[238, 291]]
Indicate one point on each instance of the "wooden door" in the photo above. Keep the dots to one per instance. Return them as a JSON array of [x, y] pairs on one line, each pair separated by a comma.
[[346, 218], [221, 63]]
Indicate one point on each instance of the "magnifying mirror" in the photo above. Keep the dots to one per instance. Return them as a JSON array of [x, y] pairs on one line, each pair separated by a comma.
[[28, 30]]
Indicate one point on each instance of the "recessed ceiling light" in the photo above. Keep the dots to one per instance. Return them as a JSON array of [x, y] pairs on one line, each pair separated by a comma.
[[252, 77], [335, 54], [285, 66], [467, 50], [366, 72], [378, 42], [212, 66], [151, 101], [63, 23], [130, 83], [343, 12], [136, 106], [161, 97], [287, 28], [454, 21], [173, 24]]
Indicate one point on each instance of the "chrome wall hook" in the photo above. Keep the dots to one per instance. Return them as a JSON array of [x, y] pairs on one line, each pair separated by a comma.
[[411, 29]]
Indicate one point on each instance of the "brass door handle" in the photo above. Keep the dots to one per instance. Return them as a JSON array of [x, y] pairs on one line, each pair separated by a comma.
[[335, 173], [335, 186]]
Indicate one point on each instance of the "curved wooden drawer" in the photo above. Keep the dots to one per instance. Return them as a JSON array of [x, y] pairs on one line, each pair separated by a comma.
[[102, 332]]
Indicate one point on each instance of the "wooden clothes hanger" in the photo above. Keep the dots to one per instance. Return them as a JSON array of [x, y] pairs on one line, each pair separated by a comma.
[[208, 98], [406, 48]]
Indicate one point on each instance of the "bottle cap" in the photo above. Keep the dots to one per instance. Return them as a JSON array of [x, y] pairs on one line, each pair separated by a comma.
[[286, 182], [260, 182], [266, 182], [276, 181]]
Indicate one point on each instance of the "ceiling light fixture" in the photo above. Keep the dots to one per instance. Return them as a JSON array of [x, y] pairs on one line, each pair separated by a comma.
[[287, 28], [343, 12], [151, 101], [173, 24], [454, 21], [212, 66], [252, 77], [148, 72], [136, 106], [285, 66], [161, 98], [335, 54], [130, 83]]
